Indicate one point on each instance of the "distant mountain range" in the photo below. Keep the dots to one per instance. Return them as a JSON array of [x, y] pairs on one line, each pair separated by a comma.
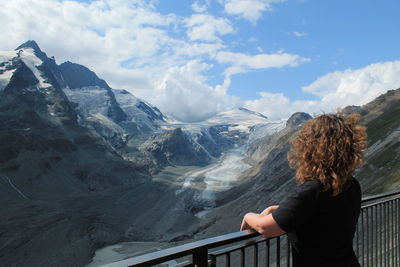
[[83, 165]]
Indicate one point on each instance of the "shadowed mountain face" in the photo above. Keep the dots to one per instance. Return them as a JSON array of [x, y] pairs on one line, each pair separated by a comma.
[[58, 180]]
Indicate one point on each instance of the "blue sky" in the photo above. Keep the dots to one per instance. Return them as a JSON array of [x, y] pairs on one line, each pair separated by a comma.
[[193, 59]]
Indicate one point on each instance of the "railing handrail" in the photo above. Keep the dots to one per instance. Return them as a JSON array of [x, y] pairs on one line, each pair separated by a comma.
[[209, 243], [187, 249], [383, 195]]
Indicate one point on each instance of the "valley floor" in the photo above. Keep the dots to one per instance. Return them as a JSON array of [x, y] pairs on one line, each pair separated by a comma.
[[196, 189]]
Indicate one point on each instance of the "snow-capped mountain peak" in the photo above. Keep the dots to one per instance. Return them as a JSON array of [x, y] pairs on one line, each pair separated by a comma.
[[240, 119], [28, 56]]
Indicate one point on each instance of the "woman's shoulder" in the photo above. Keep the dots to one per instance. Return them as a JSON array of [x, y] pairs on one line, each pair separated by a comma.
[[308, 188], [311, 185]]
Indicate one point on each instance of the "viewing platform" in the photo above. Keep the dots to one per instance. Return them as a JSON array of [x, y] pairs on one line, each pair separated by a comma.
[[376, 243]]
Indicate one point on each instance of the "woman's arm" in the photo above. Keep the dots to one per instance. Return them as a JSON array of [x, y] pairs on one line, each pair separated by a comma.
[[264, 224], [269, 210]]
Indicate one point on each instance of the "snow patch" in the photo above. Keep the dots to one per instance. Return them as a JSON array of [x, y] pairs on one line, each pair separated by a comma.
[[6, 58], [262, 130], [28, 56], [90, 100]]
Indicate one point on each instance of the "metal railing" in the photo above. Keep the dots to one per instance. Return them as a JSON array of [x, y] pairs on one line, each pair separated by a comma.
[[376, 243]]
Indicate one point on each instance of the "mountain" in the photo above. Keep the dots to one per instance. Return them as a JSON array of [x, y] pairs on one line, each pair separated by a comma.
[[58, 179], [381, 170]]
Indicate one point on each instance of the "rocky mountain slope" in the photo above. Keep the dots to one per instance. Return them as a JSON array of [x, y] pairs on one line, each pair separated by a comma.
[[381, 171], [65, 190]]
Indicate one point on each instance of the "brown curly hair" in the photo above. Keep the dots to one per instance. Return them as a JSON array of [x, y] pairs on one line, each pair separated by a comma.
[[328, 148]]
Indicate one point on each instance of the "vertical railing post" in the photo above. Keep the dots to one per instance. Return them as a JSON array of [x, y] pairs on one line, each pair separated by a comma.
[[213, 261], [200, 257], [398, 228]]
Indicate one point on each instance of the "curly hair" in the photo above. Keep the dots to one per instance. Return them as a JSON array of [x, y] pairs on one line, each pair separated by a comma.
[[328, 148]]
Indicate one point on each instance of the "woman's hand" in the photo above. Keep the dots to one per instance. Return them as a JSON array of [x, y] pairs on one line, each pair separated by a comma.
[[245, 225], [269, 210], [264, 224]]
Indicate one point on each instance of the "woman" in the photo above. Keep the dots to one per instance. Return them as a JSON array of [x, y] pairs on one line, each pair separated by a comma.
[[321, 215]]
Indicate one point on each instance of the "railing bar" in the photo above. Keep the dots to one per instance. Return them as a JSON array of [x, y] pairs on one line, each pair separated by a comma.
[[278, 251], [267, 256], [242, 256], [187, 249], [239, 246], [371, 237], [213, 261], [184, 264], [390, 233], [384, 234], [388, 194], [200, 257], [287, 251], [381, 226], [357, 238], [228, 259], [379, 202], [367, 234], [398, 229], [396, 256], [393, 232], [256, 255], [387, 235], [376, 236], [362, 238]]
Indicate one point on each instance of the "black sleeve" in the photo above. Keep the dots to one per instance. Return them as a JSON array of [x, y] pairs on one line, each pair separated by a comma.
[[298, 207]]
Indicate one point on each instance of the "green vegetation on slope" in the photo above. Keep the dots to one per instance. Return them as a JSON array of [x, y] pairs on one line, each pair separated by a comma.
[[383, 124]]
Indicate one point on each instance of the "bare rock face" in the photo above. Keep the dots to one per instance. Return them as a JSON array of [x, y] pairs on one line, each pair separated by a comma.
[[77, 76], [57, 177], [174, 147], [297, 119]]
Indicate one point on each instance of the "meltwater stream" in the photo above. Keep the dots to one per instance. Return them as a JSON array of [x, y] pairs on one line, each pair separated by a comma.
[[205, 182], [217, 177]]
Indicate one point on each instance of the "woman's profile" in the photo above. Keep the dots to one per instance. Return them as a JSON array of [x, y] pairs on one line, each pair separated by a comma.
[[321, 215]]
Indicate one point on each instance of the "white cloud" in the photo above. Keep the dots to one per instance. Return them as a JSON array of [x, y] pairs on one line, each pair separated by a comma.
[[248, 9], [184, 93], [335, 90], [243, 62], [200, 8], [298, 34], [356, 87], [206, 27], [277, 106]]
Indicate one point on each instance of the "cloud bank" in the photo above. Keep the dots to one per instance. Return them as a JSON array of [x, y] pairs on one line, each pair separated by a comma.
[[334, 90]]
